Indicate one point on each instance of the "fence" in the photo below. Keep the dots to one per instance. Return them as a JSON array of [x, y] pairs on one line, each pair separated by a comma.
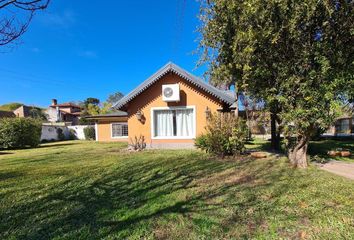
[[49, 131]]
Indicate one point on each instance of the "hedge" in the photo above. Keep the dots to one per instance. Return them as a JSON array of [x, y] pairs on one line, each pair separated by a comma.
[[20, 132]]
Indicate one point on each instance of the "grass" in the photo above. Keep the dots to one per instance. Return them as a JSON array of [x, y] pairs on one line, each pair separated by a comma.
[[88, 190]]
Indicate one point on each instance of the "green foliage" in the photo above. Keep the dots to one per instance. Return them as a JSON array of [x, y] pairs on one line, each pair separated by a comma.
[[10, 106], [89, 133], [83, 120], [38, 113], [93, 109], [72, 134], [225, 135], [60, 134], [91, 100], [106, 108], [297, 56], [20, 132]]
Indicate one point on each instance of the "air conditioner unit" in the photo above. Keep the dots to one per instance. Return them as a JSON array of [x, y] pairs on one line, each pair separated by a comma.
[[170, 93]]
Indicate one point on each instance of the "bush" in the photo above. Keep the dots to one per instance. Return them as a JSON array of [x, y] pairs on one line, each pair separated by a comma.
[[137, 143], [20, 132], [72, 134], [90, 133], [60, 134], [225, 135]]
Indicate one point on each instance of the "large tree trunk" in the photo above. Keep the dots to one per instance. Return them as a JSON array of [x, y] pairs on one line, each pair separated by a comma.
[[297, 152], [275, 135]]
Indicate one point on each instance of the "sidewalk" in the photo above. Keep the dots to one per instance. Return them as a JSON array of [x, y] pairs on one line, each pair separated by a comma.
[[340, 168]]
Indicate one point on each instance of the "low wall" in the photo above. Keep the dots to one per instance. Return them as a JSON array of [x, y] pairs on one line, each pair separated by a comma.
[[79, 131], [49, 132]]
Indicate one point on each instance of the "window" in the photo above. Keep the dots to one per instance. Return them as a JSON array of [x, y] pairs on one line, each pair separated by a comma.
[[173, 123], [342, 126], [119, 130]]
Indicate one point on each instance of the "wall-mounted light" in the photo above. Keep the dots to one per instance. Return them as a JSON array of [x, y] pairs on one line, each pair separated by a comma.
[[207, 113], [139, 115]]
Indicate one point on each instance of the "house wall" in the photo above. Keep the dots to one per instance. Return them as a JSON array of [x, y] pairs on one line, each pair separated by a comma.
[[190, 95], [23, 111], [104, 129], [52, 115]]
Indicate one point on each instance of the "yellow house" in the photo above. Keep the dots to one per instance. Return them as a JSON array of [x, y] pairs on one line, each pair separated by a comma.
[[169, 109]]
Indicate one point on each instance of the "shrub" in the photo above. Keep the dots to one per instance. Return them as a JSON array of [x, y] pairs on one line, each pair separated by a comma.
[[60, 134], [137, 143], [90, 133], [72, 134], [20, 132], [225, 135]]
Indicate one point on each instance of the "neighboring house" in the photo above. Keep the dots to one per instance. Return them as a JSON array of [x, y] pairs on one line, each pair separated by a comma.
[[170, 109], [24, 111], [64, 112], [6, 114], [344, 126]]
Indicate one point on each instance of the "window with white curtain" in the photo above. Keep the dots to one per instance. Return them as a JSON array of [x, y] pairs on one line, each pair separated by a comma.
[[174, 123], [119, 130]]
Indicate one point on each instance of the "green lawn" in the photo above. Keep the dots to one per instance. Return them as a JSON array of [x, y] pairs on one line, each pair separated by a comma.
[[88, 190]]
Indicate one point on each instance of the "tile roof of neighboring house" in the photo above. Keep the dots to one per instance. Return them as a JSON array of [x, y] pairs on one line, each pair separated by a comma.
[[4, 114], [113, 114], [67, 104], [224, 96], [74, 113]]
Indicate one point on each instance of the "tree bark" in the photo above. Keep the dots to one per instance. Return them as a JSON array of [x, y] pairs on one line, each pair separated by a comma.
[[297, 153], [275, 135]]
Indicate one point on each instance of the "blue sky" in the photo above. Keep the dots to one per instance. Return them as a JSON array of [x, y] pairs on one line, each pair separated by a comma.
[[79, 49]]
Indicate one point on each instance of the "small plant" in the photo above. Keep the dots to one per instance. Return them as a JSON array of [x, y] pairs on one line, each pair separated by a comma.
[[137, 143], [225, 135], [318, 159], [89, 133], [60, 134]]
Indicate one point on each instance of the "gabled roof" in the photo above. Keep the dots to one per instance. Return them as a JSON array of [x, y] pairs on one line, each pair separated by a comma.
[[224, 96]]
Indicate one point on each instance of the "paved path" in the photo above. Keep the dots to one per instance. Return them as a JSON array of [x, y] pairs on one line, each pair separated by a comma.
[[340, 168]]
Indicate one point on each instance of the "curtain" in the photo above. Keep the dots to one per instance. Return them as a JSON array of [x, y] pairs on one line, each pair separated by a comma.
[[184, 123], [164, 123]]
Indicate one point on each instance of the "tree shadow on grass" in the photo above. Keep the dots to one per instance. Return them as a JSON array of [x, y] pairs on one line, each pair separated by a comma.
[[5, 153], [319, 149], [46, 145], [121, 200], [8, 175]]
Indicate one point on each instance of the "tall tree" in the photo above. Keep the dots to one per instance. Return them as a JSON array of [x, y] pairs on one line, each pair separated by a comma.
[[114, 97], [295, 55], [16, 16], [91, 100]]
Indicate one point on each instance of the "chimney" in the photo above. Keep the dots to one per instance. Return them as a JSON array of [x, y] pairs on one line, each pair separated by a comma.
[[54, 102]]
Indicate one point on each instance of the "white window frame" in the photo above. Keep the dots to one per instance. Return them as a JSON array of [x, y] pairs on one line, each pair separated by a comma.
[[119, 137], [174, 108]]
